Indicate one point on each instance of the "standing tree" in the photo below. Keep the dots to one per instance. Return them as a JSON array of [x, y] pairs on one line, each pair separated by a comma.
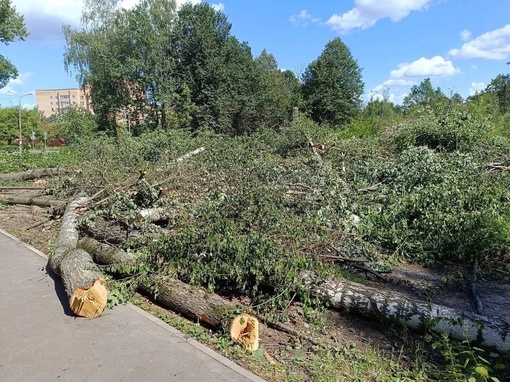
[[423, 94], [500, 87], [332, 85], [124, 56], [280, 91], [12, 27]]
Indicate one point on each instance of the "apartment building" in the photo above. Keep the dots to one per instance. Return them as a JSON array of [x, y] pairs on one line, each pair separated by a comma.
[[51, 101]]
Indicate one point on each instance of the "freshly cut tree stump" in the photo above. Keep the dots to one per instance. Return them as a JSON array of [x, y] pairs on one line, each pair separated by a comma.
[[244, 329]]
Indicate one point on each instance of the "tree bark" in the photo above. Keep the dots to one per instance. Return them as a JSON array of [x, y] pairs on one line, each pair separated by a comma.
[[193, 303], [33, 174], [41, 202], [345, 295], [81, 277], [106, 254], [84, 284], [105, 231]]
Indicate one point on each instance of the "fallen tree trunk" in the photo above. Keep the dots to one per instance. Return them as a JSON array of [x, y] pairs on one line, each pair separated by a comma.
[[105, 231], [193, 303], [33, 174], [16, 188], [106, 254], [81, 277], [41, 202], [84, 284], [190, 154], [346, 295]]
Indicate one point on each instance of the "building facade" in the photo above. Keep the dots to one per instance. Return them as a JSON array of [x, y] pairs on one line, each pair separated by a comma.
[[52, 101]]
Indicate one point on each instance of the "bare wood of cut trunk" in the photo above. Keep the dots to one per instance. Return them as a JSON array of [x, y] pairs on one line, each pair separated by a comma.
[[81, 277]]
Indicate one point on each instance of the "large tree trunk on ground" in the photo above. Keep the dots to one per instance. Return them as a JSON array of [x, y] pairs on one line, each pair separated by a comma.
[[346, 295], [82, 279], [193, 303], [84, 284], [106, 254], [41, 202], [105, 231], [33, 174]]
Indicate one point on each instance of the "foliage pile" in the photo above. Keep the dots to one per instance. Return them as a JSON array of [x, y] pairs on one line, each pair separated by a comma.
[[427, 181]]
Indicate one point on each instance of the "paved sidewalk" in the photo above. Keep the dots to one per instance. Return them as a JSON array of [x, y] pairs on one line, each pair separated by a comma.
[[41, 340]]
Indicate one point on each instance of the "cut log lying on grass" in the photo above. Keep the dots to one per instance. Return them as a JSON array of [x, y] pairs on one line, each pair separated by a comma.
[[33, 174], [81, 277], [196, 303], [488, 332], [193, 303], [41, 202]]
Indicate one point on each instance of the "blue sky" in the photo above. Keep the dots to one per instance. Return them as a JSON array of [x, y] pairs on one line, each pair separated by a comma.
[[460, 44]]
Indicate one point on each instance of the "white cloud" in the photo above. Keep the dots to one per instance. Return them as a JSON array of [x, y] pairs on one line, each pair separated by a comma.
[[303, 18], [218, 7], [476, 87], [437, 66], [366, 13], [11, 86], [391, 97], [465, 35], [493, 45]]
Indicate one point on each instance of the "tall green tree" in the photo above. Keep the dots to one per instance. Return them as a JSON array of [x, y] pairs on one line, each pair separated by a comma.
[[500, 87], [9, 128], [74, 124], [279, 94], [423, 94], [332, 85], [124, 56], [12, 27], [215, 71]]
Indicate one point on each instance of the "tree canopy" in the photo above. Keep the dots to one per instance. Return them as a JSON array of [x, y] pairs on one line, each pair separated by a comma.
[[154, 66], [332, 85], [12, 27]]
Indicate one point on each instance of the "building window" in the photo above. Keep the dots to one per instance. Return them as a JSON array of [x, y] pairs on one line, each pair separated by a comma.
[[74, 96], [64, 96], [51, 103], [81, 97]]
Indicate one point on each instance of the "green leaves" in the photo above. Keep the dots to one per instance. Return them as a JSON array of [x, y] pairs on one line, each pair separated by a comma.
[[12, 27], [332, 85]]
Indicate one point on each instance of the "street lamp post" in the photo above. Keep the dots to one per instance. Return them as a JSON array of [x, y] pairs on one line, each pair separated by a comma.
[[19, 123]]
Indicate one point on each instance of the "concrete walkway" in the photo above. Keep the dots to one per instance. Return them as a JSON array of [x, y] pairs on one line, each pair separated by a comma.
[[41, 340]]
